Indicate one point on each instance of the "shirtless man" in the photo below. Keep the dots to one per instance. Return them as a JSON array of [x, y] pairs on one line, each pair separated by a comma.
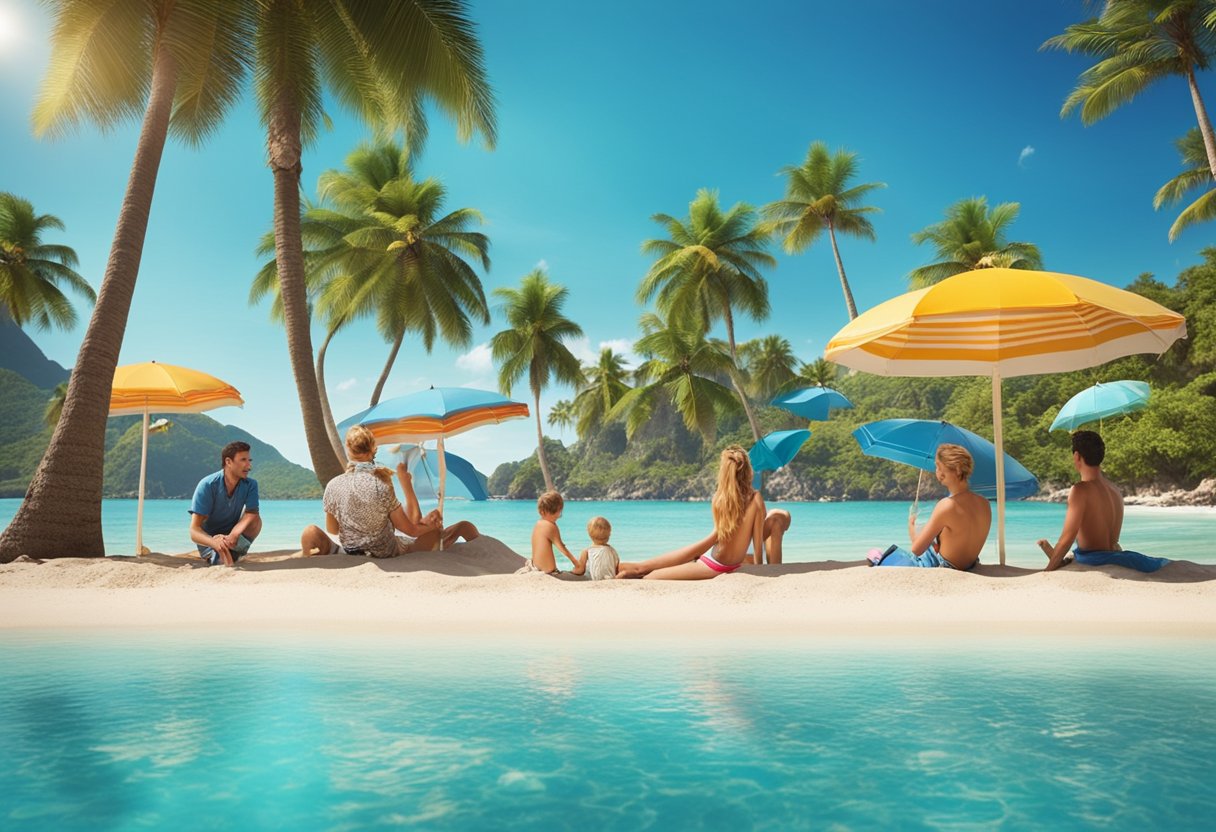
[[1095, 515], [959, 523]]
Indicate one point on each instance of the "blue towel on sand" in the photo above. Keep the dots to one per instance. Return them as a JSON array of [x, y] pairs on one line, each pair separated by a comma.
[[1132, 560]]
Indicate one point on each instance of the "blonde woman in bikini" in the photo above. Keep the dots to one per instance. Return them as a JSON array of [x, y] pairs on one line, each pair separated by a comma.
[[738, 512]]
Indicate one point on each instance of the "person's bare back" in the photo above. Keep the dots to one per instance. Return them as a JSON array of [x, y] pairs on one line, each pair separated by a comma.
[[1101, 514], [968, 518]]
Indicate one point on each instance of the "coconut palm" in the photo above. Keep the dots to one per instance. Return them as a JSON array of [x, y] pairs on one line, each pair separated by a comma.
[[818, 198], [181, 64], [32, 270], [973, 237], [562, 414], [380, 60], [607, 381], [534, 345], [818, 373], [54, 405], [770, 363], [681, 367], [709, 266], [1195, 174], [1138, 42]]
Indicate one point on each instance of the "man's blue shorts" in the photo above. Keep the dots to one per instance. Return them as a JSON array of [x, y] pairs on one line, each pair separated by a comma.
[[238, 551]]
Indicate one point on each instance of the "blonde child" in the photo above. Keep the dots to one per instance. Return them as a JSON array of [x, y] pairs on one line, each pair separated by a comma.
[[546, 535], [599, 561]]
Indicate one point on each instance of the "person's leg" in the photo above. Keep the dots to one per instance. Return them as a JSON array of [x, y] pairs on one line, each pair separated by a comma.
[[253, 529], [693, 571], [412, 509], [314, 541], [776, 524], [685, 554], [426, 542], [462, 528]]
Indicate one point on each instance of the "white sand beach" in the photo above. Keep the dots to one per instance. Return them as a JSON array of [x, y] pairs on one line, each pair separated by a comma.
[[469, 591]]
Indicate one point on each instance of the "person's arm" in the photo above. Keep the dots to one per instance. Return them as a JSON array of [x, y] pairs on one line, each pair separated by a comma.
[[331, 524], [557, 541], [412, 508], [402, 523], [1072, 527], [215, 541], [924, 538], [233, 536], [758, 530], [580, 566]]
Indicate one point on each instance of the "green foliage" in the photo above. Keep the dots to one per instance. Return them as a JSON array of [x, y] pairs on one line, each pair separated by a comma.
[[1195, 174], [31, 271], [972, 236]]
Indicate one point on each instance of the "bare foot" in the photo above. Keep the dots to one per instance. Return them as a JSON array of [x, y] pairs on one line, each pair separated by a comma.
[[630, 570]]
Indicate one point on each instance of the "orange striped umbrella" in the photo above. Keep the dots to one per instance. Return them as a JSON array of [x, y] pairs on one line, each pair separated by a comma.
[[164, 388], [1004, 322]]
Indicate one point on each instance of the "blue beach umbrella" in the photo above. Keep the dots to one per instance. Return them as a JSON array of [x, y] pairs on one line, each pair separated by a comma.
[[1100, 402], [775, 451], [463, 480], [812, 402], [914, 442]]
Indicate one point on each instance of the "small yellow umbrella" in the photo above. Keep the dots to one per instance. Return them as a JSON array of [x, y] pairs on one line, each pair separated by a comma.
[[1004, 322], [164, 388]]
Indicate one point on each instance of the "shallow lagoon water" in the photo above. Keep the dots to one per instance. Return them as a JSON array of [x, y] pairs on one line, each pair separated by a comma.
[[129, 731]]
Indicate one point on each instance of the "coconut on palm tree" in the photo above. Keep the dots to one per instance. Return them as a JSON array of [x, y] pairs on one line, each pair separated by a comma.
[[1139, 42], [1195, 174], [818, 198], [380, 60], [708, 267], [607, 382], [770, 363], [973, 237], [32, 270], [681, 367], [534, 344], [181, 64]]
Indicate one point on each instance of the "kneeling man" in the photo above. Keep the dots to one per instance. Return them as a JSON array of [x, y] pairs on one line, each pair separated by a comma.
[[224, 518]]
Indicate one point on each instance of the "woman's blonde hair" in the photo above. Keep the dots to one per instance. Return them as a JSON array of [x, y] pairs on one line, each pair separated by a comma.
[[361, 441], [956, 458], [734, 491]]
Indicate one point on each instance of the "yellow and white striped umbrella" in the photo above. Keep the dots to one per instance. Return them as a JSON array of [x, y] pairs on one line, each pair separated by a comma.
[[1004, 322]]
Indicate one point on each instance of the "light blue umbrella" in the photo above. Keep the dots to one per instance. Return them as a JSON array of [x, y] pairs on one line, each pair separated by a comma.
[[463, 480], [775, 451], [812, 402], [914, 442], [1101, 401]]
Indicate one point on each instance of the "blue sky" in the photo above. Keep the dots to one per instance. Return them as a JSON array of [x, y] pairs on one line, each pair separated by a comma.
[[609, 113]]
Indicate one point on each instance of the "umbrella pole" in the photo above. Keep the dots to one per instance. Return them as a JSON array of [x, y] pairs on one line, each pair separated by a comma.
[[999, 440], [139, 512], [443, 476]]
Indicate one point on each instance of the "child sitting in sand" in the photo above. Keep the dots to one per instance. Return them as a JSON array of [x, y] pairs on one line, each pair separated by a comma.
[[599, 561], [546, 535]]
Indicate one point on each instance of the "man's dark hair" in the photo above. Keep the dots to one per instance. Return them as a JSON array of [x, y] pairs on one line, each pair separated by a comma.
[[231, 450], [1090, 446]]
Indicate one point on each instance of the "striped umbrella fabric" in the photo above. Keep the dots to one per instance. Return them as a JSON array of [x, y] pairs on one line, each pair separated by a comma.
[[434, 413], [1004, 322]]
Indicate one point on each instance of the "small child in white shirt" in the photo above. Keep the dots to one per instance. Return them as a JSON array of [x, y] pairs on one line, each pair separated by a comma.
[[599, 561]]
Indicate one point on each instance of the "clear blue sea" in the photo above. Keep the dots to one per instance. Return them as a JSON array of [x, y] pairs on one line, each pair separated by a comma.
[[140, 731], [820, 531]]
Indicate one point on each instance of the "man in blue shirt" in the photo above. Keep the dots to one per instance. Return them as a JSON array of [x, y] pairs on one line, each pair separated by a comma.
[[224, 513]]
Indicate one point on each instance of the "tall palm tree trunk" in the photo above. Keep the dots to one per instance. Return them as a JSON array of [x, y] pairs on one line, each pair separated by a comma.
[[330, 427], [61, 513], [540, 446], [844, 281], [283, 146], [388, 365], [734, 374], [1205, 124]]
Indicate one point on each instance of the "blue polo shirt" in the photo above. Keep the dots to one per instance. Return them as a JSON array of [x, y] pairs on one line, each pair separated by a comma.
[[222, 511]]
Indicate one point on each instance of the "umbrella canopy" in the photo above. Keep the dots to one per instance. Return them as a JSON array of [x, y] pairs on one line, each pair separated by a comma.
[[812, 402], [775, 451], [995, 322], [465, 482], [164, 388], [1100, 402], [914, 442]]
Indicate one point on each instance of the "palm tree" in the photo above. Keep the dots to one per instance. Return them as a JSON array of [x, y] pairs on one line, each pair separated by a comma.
[[1138, 42], [534, 344], [681, 367], [1195, 174], [54, 405], [181, 63], [562, 415], [973, 237], [380, 60], [31, 270], [708, 267], [818, 373], [397, 257], [770, 365], [818, 197], [607, 382]]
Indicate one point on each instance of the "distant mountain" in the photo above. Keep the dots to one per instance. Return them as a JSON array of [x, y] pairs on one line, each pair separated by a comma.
[[19, 353], [177, 458]]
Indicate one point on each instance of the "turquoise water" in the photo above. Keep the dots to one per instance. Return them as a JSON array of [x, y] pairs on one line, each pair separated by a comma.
[[820, 531], [112, 731]]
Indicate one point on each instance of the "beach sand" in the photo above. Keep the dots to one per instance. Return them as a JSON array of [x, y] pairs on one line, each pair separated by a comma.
[[470, 590]]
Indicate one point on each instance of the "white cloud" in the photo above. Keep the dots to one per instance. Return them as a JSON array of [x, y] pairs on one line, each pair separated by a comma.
[[581, 347], [478, 360], [542, 264], [343, 386], [1026, 153]]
